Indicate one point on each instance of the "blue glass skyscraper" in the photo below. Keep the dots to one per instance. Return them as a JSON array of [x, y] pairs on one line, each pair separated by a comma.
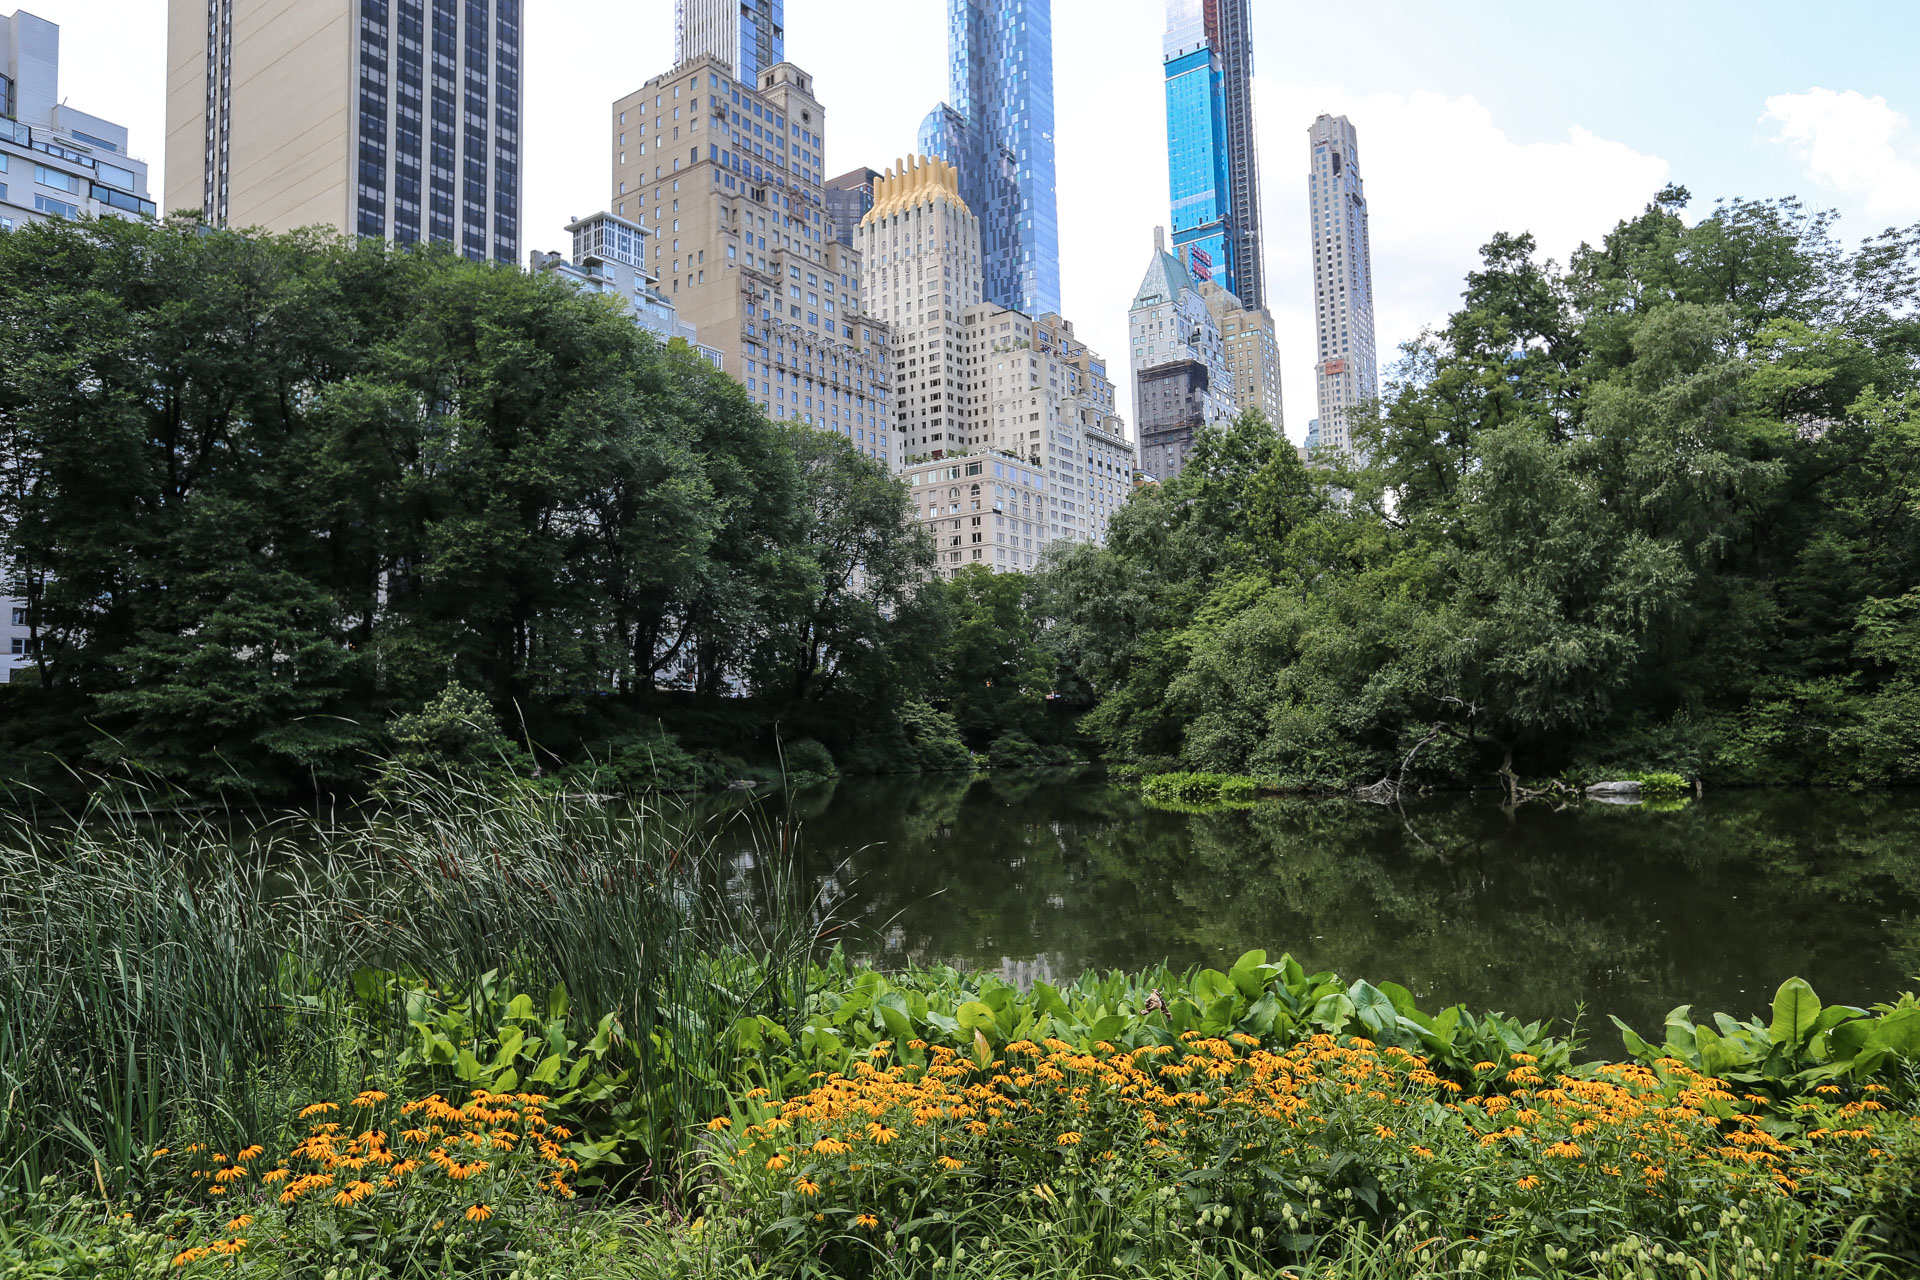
[[996, 127], [1212, 169]]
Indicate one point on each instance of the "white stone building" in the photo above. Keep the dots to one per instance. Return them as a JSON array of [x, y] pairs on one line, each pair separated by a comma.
[[1346, 368]]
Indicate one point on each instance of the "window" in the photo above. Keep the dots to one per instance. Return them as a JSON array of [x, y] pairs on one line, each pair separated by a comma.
[[58, 208], [58, 179], [19, 617]]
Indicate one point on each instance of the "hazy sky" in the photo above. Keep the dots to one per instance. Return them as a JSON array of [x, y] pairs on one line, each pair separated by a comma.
[[1474, 116]]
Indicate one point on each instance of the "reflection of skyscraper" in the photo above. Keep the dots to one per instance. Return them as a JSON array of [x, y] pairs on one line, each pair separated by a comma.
[[747, 35], [1345, 370], [997, 129], [1212, 169]]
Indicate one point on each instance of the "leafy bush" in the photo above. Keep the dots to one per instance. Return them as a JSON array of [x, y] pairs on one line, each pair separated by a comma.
[[921, 740], [1015, 750], [647, 760], [1804, 1046], [457, 728], [807, 759]]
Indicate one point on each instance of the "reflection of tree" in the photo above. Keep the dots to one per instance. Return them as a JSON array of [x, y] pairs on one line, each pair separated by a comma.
[[1529, 912]]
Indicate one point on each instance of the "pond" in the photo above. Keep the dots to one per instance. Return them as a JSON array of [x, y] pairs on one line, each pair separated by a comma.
[[1536, 912]]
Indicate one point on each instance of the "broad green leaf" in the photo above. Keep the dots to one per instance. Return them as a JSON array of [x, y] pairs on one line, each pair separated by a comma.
[[1796, 1011], [974, 1015]]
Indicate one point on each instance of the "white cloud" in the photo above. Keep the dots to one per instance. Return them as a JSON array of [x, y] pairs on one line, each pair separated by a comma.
[[1852, 143]]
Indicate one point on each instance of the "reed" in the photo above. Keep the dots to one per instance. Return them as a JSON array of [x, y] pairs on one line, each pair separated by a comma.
[[193, 976]]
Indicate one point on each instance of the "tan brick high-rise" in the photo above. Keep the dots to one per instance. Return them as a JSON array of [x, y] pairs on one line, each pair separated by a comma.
[[398, 119], [726, 175]]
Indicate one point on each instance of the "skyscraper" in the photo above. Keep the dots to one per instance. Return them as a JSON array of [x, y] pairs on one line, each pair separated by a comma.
[[848, 197], [1213, 171], [920, 253], [391, 118], [1181, 378], [725, 175], [747, 36], [997, 129], [1346, 372]]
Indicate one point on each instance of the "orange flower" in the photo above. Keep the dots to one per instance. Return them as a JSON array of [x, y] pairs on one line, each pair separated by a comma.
[[478, 1213], [868, 1221], [776, 1162], [1527, 1183], [806, 1187], [1068, 1139]]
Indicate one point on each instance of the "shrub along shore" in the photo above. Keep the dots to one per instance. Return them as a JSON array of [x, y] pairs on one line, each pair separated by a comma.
[[505, 1033]]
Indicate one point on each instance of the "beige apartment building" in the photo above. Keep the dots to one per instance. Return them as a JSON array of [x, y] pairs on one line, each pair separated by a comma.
[[1010, 419], [1252, 351], [920, 252], [396, 119], [725, 176], [982, 508]]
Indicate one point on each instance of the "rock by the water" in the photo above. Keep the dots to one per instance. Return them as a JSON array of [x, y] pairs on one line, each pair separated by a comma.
[[1614, 789]]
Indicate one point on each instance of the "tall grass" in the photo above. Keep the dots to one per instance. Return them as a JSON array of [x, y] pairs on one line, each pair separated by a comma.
[[196, 975]]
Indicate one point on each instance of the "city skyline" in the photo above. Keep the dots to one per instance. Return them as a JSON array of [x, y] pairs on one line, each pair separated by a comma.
[[1824, 118]]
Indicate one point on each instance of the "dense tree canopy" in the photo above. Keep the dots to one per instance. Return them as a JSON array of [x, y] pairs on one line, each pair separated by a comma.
[[1658, 509], [265, 494]]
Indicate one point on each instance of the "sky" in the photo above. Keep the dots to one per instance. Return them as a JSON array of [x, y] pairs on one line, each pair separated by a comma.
[[1474, 117]]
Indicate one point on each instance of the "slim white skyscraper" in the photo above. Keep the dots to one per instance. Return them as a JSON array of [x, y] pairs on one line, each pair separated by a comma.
[[749, 36], [1346, 369]]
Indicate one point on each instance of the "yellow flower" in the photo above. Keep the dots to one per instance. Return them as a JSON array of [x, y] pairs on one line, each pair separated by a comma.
[[776, 1162], [1527, 1183], [1068, 1139], [318, 1109], [948, 1162], [831, 1147], [244, 1220], [478, 1213], [718, 1123], [806, 1187], [868, 1221]]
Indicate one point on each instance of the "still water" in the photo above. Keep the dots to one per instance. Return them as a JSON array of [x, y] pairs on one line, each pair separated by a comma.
[[1534, 912]]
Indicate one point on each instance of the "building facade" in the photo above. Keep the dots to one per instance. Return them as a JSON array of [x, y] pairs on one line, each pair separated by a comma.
[[1252, 351], [1346, 369], [726, 176], [394, 119], [610, 258], [747, 36], [920, 253], [1212, 163], [55, 161], [1181, 379], [996, 127], [848, 198], [980, 509], [1050, 457]]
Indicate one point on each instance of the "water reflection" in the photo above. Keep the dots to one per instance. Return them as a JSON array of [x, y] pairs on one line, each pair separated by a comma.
[[1040, 876]]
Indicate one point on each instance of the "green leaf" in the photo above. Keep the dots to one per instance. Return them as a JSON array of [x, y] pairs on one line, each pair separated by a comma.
[[1796, 1012], [557, 1002], [974, 1015], [1898, 1033]]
